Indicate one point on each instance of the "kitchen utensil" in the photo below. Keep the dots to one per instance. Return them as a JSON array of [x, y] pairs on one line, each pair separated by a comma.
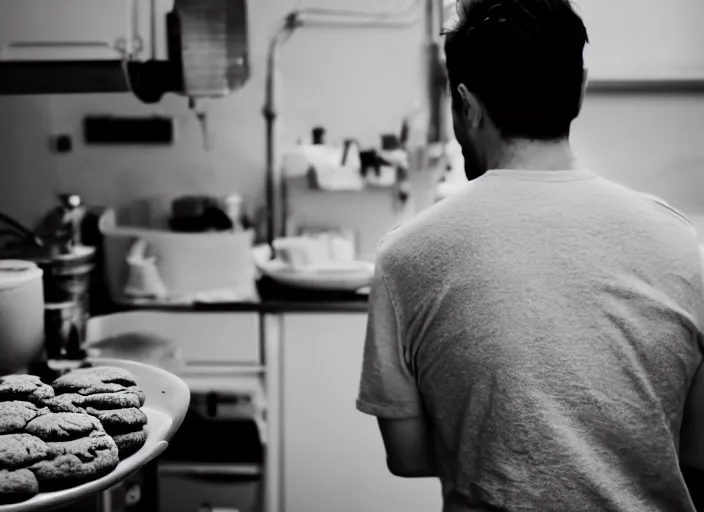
[[63, 331], [20, 231], [318, 136], [21, 315], [167, 400], [233, 208], [67, 276], [58, 232]]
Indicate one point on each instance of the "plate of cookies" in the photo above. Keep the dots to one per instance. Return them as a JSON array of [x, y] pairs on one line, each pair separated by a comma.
[[84, 432]]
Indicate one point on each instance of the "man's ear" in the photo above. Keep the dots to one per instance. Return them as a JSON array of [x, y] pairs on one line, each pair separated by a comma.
[[471, 107], [585, 84]]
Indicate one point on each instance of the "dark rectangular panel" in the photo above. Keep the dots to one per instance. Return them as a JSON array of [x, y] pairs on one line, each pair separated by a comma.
[[61, 77], [128, 130]]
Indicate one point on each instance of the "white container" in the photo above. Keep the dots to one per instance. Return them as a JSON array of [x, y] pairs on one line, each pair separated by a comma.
[[187, 263], [233, 207], [21, 315]]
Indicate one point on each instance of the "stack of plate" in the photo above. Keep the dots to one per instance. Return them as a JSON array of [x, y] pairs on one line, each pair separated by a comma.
[[350, 275]]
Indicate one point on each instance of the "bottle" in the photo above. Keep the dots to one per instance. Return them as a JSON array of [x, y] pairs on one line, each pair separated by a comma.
[[233, 208]]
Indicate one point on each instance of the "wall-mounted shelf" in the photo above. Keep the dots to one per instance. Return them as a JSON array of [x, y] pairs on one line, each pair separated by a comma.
[[153, 78], [629, 86]]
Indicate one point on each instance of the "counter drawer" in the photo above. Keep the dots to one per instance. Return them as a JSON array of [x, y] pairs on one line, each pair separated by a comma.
[[179, 493], [202, 338]]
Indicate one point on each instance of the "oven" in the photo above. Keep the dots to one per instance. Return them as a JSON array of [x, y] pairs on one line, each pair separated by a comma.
[[215, 461]]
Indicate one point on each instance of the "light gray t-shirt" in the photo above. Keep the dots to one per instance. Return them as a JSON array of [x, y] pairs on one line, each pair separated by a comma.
[[549, 323]]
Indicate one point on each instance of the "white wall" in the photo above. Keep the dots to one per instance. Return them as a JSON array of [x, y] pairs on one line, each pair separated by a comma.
[[652, 143], [358, 84]]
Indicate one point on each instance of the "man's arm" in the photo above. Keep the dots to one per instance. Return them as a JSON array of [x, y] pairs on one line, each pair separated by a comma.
[[692, 430], [389, 391], [692, 440], [409, 447]]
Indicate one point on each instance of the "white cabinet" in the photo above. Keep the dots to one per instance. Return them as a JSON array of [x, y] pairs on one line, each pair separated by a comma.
[[32, 30], [202, 338], [334, 457]]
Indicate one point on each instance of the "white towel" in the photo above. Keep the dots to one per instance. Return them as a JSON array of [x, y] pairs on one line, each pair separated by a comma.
[[143, 279]]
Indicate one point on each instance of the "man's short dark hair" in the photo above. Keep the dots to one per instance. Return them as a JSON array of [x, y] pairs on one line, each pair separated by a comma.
[[524, 60]]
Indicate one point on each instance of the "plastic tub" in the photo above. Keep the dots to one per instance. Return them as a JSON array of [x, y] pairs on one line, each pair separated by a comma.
[[187, 263]]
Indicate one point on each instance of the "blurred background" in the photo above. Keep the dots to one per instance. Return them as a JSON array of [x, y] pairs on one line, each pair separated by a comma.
[[203, 184]]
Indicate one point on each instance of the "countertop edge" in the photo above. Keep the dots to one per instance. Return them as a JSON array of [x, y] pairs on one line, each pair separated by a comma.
[[264, 307]]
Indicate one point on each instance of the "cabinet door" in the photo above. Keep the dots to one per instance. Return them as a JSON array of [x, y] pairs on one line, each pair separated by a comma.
[[71, 29], [334, 458]]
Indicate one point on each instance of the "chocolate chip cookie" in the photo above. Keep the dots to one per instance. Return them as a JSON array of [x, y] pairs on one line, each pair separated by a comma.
[[75, 462], [130, 443], [89, 381], [63, 426], [26, 388], [16, 486], [14, 416], [21, 450], [128, 397], [119, 421]]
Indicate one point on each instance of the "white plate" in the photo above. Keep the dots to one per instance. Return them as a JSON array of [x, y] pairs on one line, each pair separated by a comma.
[[336, 277], [167, 400]]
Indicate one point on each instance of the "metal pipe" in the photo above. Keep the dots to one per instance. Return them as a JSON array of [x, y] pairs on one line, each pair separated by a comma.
[[369, 15], [362, 24], [153, 26], [275, 213], [273, 179]]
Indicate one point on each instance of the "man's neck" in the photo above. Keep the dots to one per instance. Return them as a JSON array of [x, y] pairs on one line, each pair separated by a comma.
[[537, 156]]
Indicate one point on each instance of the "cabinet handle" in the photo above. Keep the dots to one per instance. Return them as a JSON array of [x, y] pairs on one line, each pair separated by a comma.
[[210, 470]]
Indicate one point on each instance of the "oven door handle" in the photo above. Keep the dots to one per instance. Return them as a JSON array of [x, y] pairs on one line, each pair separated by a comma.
[[212, 472]]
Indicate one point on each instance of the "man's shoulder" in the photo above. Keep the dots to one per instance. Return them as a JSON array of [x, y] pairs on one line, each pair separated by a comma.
[[413, 236], [658, 204], [667, 208]]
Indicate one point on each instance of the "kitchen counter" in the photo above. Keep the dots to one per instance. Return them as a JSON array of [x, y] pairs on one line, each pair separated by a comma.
[[288, 306], [274, 299], [310, 347]]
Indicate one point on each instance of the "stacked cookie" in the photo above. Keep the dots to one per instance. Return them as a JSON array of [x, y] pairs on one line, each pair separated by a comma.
[[19, 395], [74, 431], [19, 451], [79, 450], [44, 451], [111, 396]]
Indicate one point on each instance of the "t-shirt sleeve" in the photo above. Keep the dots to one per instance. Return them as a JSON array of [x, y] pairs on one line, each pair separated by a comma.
[[388, 389]]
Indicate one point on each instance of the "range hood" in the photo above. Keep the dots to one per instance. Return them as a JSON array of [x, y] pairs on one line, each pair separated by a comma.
[[198, 48]]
